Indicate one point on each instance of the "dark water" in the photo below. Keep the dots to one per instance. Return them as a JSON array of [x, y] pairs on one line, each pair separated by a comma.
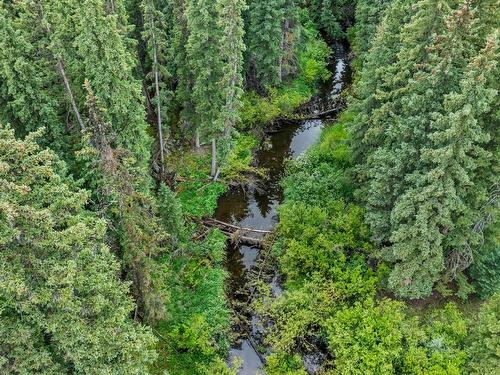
[[255, 207]]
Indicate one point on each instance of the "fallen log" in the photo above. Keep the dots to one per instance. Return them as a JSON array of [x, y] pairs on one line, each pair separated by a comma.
[[217, 223]]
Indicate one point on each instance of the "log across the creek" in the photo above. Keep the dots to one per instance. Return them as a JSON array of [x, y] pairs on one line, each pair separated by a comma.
[[238, 234]]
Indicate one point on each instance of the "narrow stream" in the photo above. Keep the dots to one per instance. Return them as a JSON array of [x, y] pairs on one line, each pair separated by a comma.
[[256, 206]]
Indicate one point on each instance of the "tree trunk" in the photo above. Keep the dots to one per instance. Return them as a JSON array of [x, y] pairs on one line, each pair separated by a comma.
[[158, 109], [60, 67], [197, 139], [213, 169], [62, 73]]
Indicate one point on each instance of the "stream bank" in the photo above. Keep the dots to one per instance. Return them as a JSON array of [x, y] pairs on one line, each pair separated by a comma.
[[256, 207]]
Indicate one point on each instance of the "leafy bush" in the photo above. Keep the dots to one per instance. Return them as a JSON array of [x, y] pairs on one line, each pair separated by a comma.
[[195, 332], [200, 198], [301, 312], [240, 157], [284, 364], [370, 338], [317, 239], [320, 175], [436, 346], [367, 338], [484, 349]]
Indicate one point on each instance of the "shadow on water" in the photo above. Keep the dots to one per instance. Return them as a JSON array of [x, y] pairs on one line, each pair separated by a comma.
[[256, 207]]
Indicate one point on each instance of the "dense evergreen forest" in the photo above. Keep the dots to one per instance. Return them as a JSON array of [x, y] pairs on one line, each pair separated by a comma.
[[124, 122]]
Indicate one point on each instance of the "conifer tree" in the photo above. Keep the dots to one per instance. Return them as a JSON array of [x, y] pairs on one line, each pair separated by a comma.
[[101, 57], [368, 15], [412, 209], [155, 36], [137, 235], [371, 86], [461, 155], [230, 22], [31, 93], [89, 43], [264, 39], [206, 66], [63, 309], [333, 16]]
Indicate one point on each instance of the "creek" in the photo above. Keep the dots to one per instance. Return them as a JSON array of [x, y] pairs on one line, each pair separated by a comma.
[[256, 205]]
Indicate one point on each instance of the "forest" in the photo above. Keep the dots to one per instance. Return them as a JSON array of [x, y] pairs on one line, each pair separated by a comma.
[[244, 187]]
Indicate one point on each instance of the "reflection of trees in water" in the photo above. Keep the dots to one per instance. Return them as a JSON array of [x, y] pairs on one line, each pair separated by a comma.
[[233, 206], [273, 160], [235, 267], [264, 203]]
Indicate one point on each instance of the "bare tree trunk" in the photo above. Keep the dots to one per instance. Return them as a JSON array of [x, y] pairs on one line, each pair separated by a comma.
[[158, 108], [197, 139], [284, 31], [60, 67], [213, 169], [62, 73]]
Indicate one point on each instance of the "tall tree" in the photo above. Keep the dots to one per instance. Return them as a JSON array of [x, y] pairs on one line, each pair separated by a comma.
[[101, 56], [412, 209], [230, 22], [136, 233], [155, 28], [206, 66], [87, 42], [264, 39], [63, 309], [368, 14], [31, 91]]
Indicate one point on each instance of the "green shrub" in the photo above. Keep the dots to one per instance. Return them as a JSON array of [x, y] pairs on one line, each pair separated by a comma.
[[367, 338], [197, 325], [284, 364], [484, 347], [370, 338], [239, 159], [320, 175], [436, 346], [316, 239], [200, 198]]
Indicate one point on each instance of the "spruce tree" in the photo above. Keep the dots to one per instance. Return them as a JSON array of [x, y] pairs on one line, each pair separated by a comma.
[[206, 65], [414, 211], [136, 233], [31, 93], [230, 22], [264, 39], [102, 57], [368, 14], [333, 16], [155, 28], [461, 158], [63, 309]]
